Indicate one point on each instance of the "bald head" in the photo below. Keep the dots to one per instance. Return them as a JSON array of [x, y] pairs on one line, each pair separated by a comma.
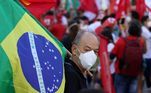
[[85, 36]]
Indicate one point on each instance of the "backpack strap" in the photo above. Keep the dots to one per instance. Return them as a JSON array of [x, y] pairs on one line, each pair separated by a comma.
[[121, 60]]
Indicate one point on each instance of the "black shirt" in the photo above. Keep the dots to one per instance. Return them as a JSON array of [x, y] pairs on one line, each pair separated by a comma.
[[75, 80]]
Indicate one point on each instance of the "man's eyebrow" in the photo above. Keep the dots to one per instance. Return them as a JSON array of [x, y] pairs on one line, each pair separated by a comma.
[[91, 48], [88, 47]]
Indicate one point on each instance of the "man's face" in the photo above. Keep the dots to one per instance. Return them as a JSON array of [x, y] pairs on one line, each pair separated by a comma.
[[87, 43]]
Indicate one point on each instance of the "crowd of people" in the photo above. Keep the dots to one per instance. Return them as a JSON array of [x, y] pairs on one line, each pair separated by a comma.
[[129, 48]]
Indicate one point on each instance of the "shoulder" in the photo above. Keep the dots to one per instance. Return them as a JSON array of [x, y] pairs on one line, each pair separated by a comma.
[[120, 41], [69, 70], [68, 66], [146, 33]]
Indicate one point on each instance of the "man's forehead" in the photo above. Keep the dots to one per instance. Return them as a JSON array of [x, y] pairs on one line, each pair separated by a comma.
[[87, 36], [90, 42]]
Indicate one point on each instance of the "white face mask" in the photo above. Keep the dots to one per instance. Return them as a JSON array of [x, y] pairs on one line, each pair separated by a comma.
[[88, 59]]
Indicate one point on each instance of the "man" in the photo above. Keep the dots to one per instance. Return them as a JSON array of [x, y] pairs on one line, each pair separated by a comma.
[[128, 66], [146, 34], [84, 54]]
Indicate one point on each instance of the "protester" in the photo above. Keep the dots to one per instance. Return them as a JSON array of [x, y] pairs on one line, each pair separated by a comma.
[[111, 19], [71, 34], [146, 34], [84, 55], [128, 66]]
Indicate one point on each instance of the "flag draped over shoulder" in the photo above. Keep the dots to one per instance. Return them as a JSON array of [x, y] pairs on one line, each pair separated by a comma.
[[107, 83], [31, 59]]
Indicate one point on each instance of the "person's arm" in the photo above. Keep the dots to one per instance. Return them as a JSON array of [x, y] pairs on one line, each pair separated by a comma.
[[144, 46], [115, 50]]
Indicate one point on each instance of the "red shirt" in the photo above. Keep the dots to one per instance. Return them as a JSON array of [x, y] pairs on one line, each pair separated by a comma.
[[98, 30], [120, 47]]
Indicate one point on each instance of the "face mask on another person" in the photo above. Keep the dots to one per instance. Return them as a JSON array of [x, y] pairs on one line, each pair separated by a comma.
[[87, 59]]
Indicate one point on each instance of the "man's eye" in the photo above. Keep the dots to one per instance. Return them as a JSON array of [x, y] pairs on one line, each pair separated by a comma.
[[86, 50]]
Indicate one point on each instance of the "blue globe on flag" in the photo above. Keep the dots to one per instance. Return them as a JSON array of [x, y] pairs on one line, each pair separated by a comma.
[[41, 62]]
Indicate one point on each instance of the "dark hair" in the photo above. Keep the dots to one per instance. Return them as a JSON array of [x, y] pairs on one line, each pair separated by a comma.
[[91, 91], [73, 30], [121, 21], [113, 15], [135, 15], [84, 18], [50, 12], [104, 18], [144, 18], [107, 32], [135, 28]]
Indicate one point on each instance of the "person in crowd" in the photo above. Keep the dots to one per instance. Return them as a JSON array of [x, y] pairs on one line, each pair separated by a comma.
[[69, 37], [146, 34], [84, 22], [71, 34], [128, 66], [84, 55], [58, 29], [48, 19], [107, 32]]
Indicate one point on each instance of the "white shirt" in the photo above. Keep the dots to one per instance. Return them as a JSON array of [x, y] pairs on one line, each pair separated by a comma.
[[64, 21], [92, 27], [147, 35], [110, 47]]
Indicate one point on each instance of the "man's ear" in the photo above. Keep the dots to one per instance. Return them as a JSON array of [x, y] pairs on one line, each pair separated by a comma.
[[74, 49]]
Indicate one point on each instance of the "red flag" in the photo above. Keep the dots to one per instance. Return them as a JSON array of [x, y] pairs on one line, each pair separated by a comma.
[[113, 6], [140, 7], [105, 67], [124, 7], [88, 5], [39, 7]]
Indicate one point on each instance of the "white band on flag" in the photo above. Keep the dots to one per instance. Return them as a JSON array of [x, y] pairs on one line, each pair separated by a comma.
[[37, 63]]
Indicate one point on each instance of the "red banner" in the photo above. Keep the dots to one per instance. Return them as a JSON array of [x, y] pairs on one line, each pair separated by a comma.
[[39, 7], [88, 5], [113, 6], [105, 66], [124, 7], [140, 7]]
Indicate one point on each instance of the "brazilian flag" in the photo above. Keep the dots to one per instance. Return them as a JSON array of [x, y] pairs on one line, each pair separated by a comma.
[[31, 59]]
